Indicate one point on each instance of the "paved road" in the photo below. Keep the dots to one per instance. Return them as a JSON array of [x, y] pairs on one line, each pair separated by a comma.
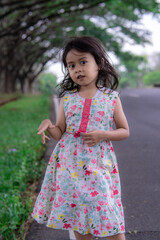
[[139, 162], [139, 165]]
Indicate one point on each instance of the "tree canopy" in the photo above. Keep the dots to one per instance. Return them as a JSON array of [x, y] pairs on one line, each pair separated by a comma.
[[32, 32], [152, 78]]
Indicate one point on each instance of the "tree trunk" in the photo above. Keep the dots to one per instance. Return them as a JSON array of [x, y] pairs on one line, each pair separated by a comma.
[[21, 80], [140, 83], [13, 84], [4, 79]]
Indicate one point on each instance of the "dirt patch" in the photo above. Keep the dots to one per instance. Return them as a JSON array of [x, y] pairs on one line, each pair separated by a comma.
[[5, 101], [32, 194]]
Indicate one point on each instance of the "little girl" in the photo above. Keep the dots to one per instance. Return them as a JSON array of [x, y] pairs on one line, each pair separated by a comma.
[[81, 189]]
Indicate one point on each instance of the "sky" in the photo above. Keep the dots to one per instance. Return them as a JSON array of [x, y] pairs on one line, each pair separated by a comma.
[[153, 26], [149, 23]]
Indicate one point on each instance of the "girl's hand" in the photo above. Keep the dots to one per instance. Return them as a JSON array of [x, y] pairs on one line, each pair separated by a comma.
[[93, 137], [43, 127]]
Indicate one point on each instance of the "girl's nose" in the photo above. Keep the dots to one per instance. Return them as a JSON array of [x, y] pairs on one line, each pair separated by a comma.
[[77, 69]]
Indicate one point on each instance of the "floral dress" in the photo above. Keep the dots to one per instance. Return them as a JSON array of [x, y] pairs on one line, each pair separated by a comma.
[[81, 188]]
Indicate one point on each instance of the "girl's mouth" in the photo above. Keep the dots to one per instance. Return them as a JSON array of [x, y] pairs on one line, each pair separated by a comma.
[[80, 77]]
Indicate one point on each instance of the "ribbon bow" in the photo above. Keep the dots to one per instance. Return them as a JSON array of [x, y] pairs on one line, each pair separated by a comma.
[[77, 134]]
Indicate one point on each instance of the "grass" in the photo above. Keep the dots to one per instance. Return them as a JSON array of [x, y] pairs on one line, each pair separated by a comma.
[[21, 160]]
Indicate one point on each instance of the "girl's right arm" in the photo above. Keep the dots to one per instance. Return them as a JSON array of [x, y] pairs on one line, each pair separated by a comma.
[[54, 131]]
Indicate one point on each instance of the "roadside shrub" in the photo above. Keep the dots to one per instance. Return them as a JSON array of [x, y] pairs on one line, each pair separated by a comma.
[[151, 78], [21, 159]]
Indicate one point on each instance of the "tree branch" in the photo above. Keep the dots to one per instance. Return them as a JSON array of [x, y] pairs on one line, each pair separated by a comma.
[[13, 30], [20, 7], [12, 3]]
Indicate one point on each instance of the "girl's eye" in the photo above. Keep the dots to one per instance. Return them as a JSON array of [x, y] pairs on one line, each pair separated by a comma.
[[83, 62], [71, 66]]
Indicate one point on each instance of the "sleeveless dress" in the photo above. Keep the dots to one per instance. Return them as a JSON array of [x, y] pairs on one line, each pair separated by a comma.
[[81, 189]]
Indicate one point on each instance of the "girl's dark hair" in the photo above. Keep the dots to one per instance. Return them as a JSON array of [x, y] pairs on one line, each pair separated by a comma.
[[107, 76]]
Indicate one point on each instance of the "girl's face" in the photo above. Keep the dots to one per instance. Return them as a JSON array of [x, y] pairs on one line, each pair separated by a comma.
[[82, 68]]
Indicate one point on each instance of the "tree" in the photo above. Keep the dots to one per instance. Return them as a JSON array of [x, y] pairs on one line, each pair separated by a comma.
[[152, 78], [32, 31], [46, 82], [154, 61], [132, 75]]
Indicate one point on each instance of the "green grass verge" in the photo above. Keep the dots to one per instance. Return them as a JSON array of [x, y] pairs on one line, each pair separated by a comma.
[[21, 160]]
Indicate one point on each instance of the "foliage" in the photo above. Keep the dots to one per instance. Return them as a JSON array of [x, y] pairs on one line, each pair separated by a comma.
[[21, 161], [154, 61], [136, 67], [32, 32], [124, 82], [46, 82], [151, 78]]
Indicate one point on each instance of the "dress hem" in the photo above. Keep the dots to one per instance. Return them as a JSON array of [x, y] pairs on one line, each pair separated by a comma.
[[71, 229]]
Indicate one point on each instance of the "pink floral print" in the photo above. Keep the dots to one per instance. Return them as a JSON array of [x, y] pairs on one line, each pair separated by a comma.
[[81, 188]]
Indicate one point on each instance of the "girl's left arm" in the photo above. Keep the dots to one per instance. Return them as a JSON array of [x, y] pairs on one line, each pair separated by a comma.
[[122, 128]]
